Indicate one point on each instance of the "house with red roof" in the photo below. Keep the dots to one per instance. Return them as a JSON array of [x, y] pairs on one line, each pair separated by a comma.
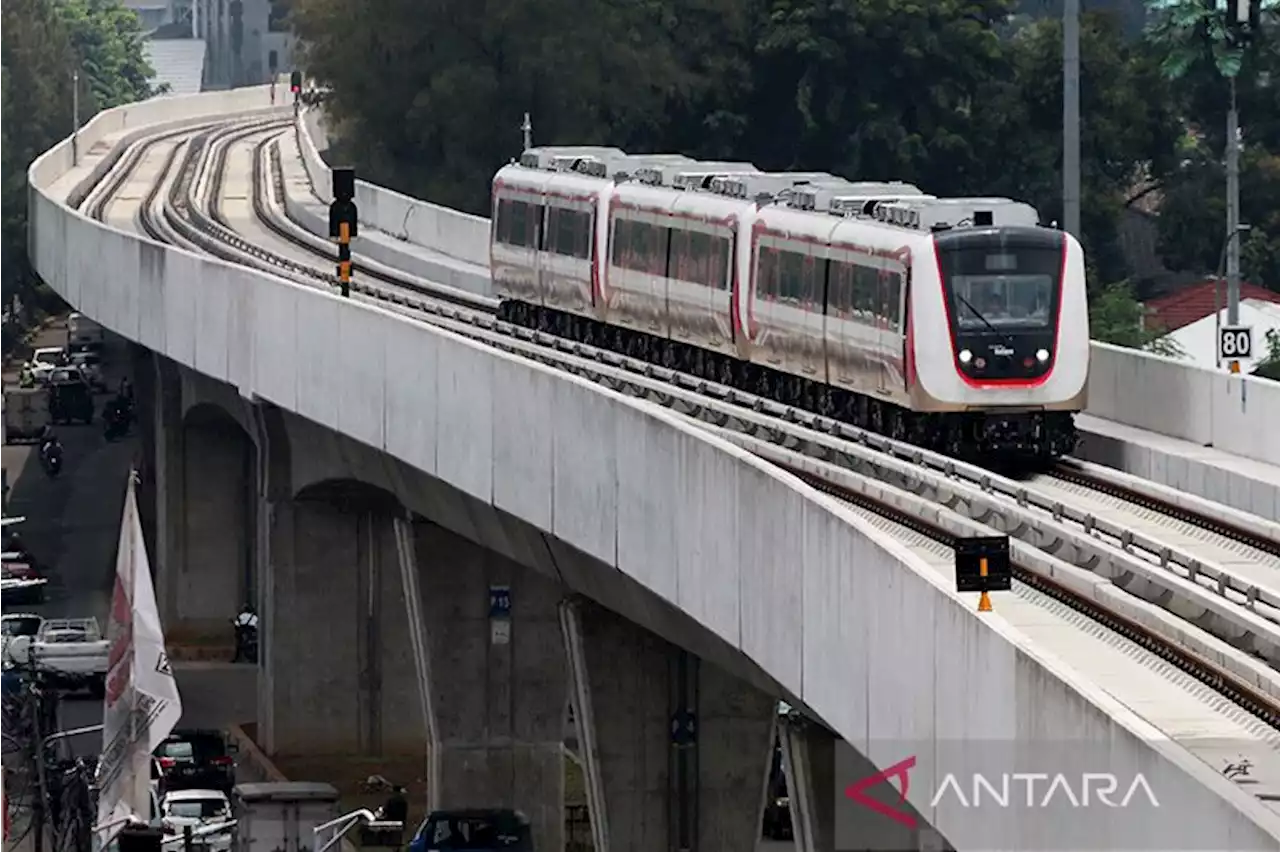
[[1176, 310]]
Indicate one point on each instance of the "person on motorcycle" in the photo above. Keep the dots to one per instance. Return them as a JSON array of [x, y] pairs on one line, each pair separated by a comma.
[[126, 390], [14, 544], [246, 626], [50, 450], [26, 379]]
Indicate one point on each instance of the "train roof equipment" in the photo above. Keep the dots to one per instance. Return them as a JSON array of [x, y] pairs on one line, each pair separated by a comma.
[[545, 158], [761, 185], [842, 197], [927, 213]]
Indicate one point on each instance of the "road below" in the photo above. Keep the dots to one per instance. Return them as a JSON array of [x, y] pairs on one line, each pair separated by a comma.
[[72, 528]]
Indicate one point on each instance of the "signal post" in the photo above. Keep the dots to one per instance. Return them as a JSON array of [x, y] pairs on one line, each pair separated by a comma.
[[342, 222]]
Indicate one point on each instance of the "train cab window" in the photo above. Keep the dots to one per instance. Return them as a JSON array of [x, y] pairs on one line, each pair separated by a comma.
[[518, 223], [1002, 285], [568, 232]]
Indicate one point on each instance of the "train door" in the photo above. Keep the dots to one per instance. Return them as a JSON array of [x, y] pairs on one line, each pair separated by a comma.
[[537, 240], [904, 326], [883, 332]]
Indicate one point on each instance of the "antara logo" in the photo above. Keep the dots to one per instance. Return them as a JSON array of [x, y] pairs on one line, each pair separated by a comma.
[[1006, 790], [1001, 349]]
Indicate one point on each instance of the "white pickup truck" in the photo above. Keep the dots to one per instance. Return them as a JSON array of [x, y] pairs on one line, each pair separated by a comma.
[[73, 647]]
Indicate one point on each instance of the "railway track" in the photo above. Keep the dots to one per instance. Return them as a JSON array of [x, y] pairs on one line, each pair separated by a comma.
[[1225, 629]]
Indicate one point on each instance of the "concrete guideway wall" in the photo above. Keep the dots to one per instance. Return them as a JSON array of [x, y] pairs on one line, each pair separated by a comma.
[[1135, 388], [845, 619], [441, 229], [1207, 407]]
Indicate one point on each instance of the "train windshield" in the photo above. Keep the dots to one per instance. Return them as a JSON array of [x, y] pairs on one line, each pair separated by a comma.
[[1001, 283]]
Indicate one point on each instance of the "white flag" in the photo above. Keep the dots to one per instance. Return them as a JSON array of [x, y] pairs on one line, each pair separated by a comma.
[[142, 705]]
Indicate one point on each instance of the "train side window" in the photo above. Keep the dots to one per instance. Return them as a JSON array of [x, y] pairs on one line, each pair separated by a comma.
[[810, 281], [791, 277], [866, 292], [681, 259], [840, 289], [621, 242], [767, 273], [890, 295], [718, 260], [661, 241], [699, 254], [515, 227]]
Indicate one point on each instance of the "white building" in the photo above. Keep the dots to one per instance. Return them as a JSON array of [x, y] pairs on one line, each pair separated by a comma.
[[1198, 341]]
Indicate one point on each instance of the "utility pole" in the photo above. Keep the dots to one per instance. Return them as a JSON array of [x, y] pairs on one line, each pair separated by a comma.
[[75, 114], [1071, 117], [527, 129], [1233, 215]]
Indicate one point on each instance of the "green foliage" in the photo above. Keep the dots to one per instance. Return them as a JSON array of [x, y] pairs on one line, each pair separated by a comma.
[[1269, 366], [107, 38], [1116, 317], [43, 41]]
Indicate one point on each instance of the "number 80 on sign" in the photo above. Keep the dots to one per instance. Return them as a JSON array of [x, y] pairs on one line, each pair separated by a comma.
[[1235, 342]]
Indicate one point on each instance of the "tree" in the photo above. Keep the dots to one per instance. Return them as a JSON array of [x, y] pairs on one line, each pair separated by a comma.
[[1269, 366], [429, 98], [36, 59], [108, 39], [1130, 131], [1116, 317]]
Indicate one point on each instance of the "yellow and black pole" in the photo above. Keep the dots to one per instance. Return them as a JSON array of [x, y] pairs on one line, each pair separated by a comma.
[[342, 222], [344, 257]]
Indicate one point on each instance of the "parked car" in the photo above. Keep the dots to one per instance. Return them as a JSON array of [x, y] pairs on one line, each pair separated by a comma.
[[196, 760], [474, 831]]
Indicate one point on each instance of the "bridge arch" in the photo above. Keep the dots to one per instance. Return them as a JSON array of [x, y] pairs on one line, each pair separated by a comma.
[[218, 476]]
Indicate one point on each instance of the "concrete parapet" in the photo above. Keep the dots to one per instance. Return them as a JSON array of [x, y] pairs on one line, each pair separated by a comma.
[[422, 223], [846, 620]]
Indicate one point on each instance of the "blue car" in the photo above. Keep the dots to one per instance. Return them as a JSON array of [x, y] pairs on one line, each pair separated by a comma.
[[473, 831]]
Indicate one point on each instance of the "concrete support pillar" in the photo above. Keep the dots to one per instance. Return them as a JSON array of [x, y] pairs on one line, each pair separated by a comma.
[[205, 511], [337, 662], [677, 753], [142, 370], [170, 488], [218, 512], [496, 681], [809, 762]]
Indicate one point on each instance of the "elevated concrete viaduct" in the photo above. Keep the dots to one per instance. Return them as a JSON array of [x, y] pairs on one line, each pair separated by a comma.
[[254, 503], [690, 582]]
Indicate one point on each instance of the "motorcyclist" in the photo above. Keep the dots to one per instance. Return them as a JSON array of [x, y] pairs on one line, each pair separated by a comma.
[[246, 626], [126, 390], [50, 446], [51, 453], [15, 544], [396, 807], [26, 378]]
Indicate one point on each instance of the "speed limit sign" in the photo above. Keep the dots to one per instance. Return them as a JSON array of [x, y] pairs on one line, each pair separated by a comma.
[[1235, 342]]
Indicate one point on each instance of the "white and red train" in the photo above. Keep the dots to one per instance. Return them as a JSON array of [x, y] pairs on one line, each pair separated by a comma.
[[957, 324]]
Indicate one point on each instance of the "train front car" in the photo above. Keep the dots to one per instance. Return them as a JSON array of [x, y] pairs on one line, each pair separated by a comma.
[[1005, 348]]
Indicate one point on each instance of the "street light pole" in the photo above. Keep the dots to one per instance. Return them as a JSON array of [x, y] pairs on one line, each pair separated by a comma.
[[1071, 117], [75, 116], [1233, 215]]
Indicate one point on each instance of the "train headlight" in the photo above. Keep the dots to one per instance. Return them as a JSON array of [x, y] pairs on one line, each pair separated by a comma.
[[1042, 355], [965, 356]]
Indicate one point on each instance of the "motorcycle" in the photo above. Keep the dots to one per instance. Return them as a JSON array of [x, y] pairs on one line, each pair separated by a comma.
[[246, 642], [51, 459], [115, 424]]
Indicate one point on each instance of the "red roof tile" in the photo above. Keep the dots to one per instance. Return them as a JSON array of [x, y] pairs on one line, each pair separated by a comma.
[[1196, 302]]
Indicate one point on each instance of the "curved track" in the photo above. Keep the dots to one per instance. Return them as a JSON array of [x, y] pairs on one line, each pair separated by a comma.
[[1191, 642]]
